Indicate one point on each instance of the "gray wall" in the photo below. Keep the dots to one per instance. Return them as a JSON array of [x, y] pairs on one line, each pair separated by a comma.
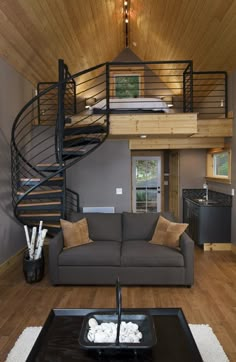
[[97, 176], [15, 92], [233, 174], [192, 171]]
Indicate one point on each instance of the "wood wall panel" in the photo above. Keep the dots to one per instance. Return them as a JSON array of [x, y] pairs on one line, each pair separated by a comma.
[[153, 124], [175, 143], [203, 31], [34, 34]]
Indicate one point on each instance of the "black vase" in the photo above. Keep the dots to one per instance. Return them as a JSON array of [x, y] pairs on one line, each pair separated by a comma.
[[33, 269]]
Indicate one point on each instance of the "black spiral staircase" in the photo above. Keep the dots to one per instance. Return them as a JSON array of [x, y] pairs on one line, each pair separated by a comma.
[[51, 133]]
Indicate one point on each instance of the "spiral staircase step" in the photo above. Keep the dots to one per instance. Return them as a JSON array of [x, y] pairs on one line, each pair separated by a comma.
[[81, 141], [42, 194], [48, 167], [36, 217], [76, 130], [55, 181], [55, 205]]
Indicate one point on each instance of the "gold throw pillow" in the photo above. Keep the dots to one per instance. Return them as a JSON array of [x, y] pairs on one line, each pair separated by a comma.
[[167, 232], [75, 233]]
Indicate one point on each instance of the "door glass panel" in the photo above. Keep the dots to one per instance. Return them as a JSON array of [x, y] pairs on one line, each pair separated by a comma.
[[146, 184]]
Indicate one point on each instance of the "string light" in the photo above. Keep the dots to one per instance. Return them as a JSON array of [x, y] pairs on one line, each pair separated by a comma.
[[126, 19]]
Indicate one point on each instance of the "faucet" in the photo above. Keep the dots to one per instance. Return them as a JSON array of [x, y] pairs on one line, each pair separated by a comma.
[[205, 186]]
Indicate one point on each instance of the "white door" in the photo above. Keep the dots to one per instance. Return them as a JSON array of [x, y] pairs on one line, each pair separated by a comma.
[[146, 184]]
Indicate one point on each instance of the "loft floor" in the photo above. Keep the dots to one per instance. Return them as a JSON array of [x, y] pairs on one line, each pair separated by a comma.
[[211, 301], [163, 130]]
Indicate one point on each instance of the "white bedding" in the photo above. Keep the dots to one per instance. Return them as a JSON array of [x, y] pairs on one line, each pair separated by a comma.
[[154, 104]]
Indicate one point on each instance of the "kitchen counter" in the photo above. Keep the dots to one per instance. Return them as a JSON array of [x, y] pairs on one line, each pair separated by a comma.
[[209, 221], [214, 198], [209, 202]]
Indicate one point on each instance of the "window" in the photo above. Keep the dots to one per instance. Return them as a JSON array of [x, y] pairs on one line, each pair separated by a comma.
[[219, 165], [127, 82], [127, 86]]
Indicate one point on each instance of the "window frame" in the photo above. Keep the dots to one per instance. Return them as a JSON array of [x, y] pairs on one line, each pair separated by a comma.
[[210, 175], [126, 72]]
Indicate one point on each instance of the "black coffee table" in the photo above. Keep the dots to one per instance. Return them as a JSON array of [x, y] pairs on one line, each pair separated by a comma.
[[58, 340]]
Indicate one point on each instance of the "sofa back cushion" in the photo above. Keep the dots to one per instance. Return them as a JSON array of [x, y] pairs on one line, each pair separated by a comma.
[[102, 226], [139, 226]]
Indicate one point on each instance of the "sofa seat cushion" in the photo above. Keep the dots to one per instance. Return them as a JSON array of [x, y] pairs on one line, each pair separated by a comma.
[[97, 253], [142, 253]]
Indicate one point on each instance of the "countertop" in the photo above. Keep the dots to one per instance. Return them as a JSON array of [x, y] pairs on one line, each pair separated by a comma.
[[215, 199]]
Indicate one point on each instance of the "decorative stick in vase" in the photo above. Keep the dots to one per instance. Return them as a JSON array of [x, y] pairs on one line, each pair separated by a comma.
[[40, 245], [27, 236], [33, 237], [39, 237]]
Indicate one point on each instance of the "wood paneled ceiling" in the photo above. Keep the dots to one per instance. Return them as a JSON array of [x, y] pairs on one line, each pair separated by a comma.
[[34, 34]]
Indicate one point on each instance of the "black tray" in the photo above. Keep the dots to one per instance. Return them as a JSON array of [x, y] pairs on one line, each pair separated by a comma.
[[144, 322]]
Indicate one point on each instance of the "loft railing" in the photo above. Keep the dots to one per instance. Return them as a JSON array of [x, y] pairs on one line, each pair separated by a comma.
[[210, 94]]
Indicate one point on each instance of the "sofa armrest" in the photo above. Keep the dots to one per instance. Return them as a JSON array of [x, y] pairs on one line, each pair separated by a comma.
[[187, 249], [55, 248]]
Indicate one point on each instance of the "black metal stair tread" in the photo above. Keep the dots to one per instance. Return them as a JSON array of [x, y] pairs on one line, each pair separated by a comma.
[[45, 225], [41, 192], [85, 129], [49, 166], [32, 215], [74, 151], [31, 204], [81, 141], [82, 135], [54, 178], [52, 225]]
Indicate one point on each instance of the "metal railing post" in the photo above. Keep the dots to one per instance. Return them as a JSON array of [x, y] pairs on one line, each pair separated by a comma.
[[108, 92], [226, 95]]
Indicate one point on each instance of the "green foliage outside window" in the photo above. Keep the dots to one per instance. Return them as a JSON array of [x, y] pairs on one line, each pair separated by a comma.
[[127, 86], [221, 164]]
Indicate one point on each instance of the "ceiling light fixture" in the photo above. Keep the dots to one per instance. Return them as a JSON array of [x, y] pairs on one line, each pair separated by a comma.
[[126, 20], [143, 136]]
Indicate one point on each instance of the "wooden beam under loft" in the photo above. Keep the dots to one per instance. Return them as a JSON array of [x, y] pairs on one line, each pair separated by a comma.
[[156, 124], [176, 143]]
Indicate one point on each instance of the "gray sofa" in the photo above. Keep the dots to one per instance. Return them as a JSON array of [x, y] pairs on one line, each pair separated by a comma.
[[120, 247]]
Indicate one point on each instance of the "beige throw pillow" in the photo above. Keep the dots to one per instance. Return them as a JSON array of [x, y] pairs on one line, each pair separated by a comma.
[[75, 233], [168, 233]]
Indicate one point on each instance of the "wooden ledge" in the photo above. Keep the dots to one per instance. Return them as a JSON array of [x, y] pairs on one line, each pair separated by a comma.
[[217, 246]]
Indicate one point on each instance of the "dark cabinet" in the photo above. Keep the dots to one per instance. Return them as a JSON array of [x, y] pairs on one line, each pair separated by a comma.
[[207, 224]]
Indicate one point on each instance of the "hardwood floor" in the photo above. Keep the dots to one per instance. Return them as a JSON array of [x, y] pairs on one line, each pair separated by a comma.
[[211, 301]]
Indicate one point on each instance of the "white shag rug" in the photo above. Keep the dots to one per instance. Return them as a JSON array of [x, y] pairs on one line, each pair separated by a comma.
[[206, 340]]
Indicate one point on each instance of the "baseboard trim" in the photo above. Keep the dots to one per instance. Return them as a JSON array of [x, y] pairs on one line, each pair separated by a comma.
[[234, 248], [217, 246], [11, 261]]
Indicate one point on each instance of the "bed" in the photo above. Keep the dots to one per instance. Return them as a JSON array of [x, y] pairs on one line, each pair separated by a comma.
[[124, 105]]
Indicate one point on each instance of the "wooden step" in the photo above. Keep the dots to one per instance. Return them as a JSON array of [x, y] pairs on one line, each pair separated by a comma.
[[85, 130], [80, 141], [57, 180], [40, 216], [48, 167], [82, 135], [74, 151], [39, 205], [52, 228], [42, 194]]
